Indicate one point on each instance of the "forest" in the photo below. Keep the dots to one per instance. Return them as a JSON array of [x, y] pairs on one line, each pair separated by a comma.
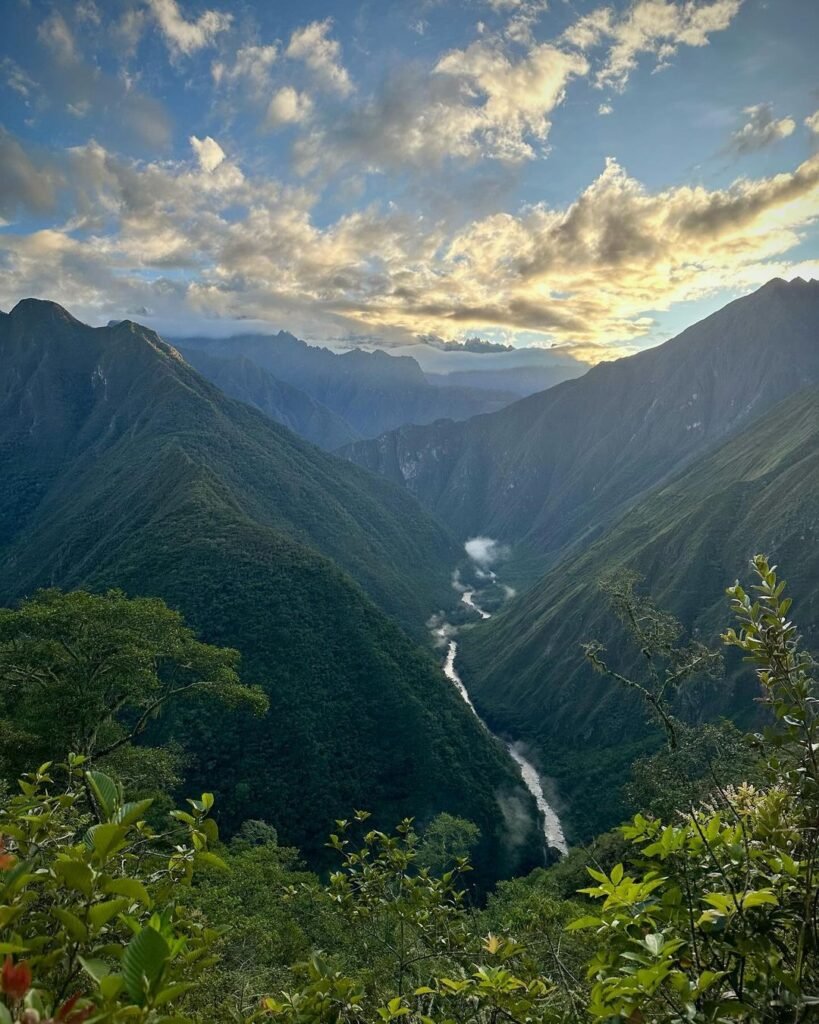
[[119, 902]]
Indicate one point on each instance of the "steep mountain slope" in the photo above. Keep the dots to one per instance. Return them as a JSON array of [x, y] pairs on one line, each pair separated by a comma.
[[240, 378], [123, 467], [372, 391], [554, 467], [690, 539]]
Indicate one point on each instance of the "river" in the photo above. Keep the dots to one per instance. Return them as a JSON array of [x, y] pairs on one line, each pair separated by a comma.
[[552, 828]]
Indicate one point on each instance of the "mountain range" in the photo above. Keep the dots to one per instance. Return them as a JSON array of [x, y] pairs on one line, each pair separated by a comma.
[[679, 463], [123, 467], [357, 393], [551, 470]]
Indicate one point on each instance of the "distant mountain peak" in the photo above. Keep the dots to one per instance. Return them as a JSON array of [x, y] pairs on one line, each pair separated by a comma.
[[42, 309]]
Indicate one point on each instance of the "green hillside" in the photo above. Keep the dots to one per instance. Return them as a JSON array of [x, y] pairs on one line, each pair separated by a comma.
[[553, 469], [690, 539], [123, 467], [241, 378]]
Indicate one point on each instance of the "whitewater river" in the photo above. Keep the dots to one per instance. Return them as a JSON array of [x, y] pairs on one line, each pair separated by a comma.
[[552, 829]]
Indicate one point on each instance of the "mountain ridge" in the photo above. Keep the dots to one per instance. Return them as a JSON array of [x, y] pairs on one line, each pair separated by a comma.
[[557, 466], [123, 467]]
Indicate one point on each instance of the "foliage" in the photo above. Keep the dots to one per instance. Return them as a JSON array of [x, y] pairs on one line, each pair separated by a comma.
[[90, 924], [665, 664], [720, 923], [446, 839], [423, 956], [87, 672]]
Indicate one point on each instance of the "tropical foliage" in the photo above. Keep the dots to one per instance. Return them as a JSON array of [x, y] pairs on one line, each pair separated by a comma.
[[705, 914]]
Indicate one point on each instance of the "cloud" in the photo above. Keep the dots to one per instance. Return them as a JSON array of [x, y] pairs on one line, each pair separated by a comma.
[[312, 45], [186, 37], [208, 152], [121, 110], [16, 78], [56, 35], [23, 184], [288, 106], [585, 275], [812, 123], [485, 551], [760, 130], [249, 69], [485, 101], [657, 27]]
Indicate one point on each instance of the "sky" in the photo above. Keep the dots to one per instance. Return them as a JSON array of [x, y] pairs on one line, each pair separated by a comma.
[[586, 176]]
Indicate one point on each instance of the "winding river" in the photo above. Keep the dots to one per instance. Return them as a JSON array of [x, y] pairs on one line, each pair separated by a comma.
[[552, 828]]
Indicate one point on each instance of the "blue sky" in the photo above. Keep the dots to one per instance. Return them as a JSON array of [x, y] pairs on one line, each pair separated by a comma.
[[577, 174]]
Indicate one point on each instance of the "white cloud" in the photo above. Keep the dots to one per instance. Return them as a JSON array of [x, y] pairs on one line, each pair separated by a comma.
[[313, 45], [812, 123], [586, 274], [489, 100], [760, 130], [183, 36], [249, 68], [657, 27], [16, 78], [208, 152], [605, 109], [56, 35], [288, 106]]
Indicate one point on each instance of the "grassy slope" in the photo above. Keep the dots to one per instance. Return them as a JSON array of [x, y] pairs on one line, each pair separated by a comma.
[[690, 539]]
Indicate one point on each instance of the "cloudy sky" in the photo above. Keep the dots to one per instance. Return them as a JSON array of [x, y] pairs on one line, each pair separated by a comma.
[[588, 175]]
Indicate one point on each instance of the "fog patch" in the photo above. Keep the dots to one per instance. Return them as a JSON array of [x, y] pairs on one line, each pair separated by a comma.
[[517, 820], [485, 551]]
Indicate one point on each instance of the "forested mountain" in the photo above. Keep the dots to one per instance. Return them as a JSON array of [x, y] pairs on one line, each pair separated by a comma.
[[552, 468], [122, 467], [372, 391], [241, 378], [690, 539]]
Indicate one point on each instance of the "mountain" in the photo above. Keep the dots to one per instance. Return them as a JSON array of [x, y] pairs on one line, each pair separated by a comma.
[[554, 468], [240, 378], [690, 539], [372, 391], [123, 467], [519, 381]]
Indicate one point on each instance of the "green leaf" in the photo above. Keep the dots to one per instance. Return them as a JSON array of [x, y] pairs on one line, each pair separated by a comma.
[[130, 887], [75, 874], [107, 839], [106, 793], [143, 963], [759, 898], [583, 922], [130, 813], [207, 857], [101, 913], [97, 969], [72, 924], [5, 1016]]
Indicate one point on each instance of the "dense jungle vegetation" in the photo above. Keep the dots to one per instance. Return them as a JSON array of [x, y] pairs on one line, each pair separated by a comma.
[[115, 907]]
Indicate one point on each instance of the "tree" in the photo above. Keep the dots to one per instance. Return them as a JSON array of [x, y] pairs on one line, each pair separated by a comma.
[[446, 840], [86, 672]]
